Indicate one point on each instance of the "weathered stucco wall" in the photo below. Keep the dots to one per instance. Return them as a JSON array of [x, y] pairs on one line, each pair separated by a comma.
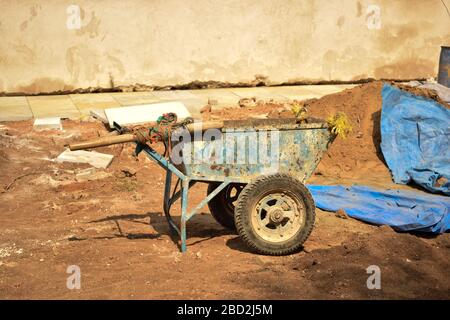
[[44, 47]]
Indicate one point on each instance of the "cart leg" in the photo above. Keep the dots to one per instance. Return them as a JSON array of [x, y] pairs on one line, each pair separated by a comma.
[[184, 202], [167, 187], [173, 228]]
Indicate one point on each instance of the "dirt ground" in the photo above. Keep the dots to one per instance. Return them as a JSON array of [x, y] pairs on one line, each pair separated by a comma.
[[113, 228]]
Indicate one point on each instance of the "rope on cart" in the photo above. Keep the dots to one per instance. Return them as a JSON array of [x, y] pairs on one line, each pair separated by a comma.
[[162, 132]]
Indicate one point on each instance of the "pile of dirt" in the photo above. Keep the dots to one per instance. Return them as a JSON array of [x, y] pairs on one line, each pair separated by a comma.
[[357, 156], [360, 153]]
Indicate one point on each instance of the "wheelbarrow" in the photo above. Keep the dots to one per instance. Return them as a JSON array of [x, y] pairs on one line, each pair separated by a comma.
[[266, 201]]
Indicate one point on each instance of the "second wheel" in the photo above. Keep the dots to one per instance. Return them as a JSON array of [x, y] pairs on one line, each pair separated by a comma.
[[222, 205]]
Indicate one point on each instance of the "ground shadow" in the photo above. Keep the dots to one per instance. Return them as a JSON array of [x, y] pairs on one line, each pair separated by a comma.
[[236, 243], [136, 218], [376, 135], [423, 235], [198, 227], [202, 226]]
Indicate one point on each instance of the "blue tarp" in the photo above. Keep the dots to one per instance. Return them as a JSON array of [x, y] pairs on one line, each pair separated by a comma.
[[403, 210], [415, 135]]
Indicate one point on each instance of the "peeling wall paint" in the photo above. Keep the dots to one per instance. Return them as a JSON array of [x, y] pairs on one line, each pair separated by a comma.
[[59, 45]]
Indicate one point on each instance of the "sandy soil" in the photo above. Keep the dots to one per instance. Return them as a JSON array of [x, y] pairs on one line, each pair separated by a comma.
[[113, 228]]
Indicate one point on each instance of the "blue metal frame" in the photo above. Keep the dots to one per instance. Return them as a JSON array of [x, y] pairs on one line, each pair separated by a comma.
[[186, 184]]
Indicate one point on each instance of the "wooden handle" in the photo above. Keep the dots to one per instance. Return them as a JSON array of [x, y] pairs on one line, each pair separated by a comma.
[[205, 125], [103, 141], [110, 139]]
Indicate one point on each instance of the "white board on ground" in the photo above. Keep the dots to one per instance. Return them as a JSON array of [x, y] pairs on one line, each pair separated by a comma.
[[145, 113], [47, 124], [95, 159], [99, 114]]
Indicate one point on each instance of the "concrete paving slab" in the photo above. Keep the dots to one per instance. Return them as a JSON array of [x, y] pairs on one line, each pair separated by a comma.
[[192, 102], [294, 92], [99, 114], [14, 109], [217, 97], [325, 89], [53, 106], [193, 106], [174, 95], [92, 101], [307, 91], [260, 93], [95, 159], [47, 124], [134, 98], [77, 105], [145, 113]]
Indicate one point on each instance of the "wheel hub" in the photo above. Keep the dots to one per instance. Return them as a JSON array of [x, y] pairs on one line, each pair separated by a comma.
[[276, 215]]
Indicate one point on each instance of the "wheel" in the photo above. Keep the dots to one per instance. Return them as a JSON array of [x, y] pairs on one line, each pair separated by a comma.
[[222, 205], [275, 214]]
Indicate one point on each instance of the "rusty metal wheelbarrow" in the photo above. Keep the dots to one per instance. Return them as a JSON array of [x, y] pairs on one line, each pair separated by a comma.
[[255, 170]]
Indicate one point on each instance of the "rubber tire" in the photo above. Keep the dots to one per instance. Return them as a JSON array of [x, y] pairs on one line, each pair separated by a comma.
[[219, 208], [251, 194]]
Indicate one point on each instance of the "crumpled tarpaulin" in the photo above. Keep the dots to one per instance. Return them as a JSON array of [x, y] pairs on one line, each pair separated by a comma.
[[442, 91], [415, 139], [402, 210]]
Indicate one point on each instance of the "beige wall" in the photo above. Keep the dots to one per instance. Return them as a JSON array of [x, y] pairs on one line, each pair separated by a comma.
[[168, 42]]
